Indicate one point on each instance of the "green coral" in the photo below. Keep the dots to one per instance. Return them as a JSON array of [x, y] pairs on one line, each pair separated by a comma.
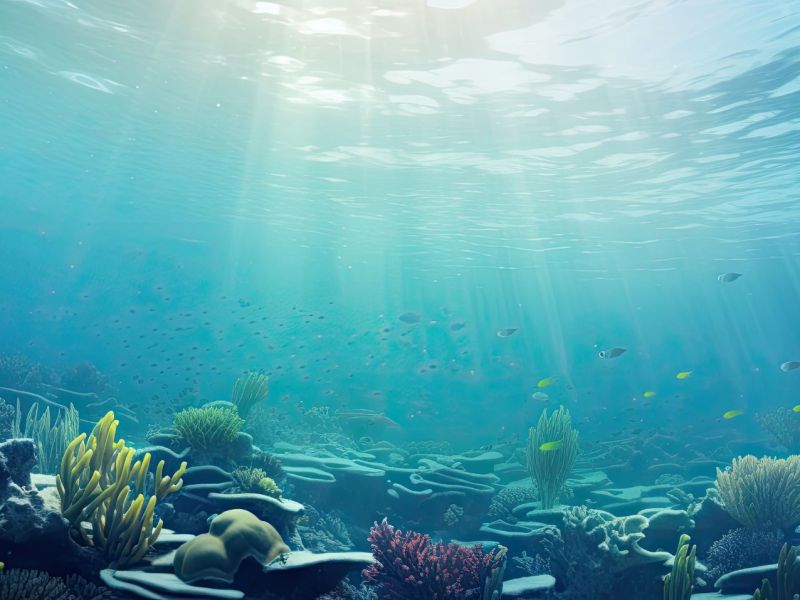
[[99, 483], [253, 480], [679, 583], [552, 448], [207, 428], [248, 390], [51, 436], [787, 579], [762, 493]]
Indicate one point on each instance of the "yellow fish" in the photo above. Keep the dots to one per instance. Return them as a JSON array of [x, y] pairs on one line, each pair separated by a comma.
[[733, 413], [649, 394], [796, 408], [550, 446], [683, 374], [543, 383]]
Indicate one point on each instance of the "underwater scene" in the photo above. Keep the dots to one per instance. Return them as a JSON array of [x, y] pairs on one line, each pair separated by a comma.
[[408, 300]]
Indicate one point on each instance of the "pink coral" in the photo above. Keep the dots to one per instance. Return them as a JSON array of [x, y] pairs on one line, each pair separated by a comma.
[[410, 567]]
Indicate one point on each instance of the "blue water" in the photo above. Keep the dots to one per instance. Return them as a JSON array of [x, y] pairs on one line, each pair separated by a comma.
[[193, 189]]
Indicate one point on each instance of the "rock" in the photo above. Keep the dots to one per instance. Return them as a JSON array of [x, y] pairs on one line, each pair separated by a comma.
[[19, 458], [279, 513], [746, 580], [535, 586], [161, 586]]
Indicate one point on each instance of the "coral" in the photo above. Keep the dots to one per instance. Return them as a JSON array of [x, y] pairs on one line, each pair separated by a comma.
[[248, 390], [207, 428], [509, 497], [453, 515], [323, 532], [550, 466], [84, 378], [233, 536], [784, 425], [739, 549], [268, 463], [531, 565], [19, 372], [97, 483], [51, 437], [761, 493], [347, 591], [679, 583], [410, 567], [250, 480], [7, 413], [787, 579], [26, 584]]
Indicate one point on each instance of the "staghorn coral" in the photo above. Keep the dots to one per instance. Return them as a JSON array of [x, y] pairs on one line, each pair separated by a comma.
[[550, 467], [784, 425], [741, 548], [207, 428], [761, 493], [410, 567], [504, 502], [27, 584], [528, 565], [248, 479]]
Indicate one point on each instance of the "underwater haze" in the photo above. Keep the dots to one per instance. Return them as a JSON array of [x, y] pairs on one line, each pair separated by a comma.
[[419, 224]]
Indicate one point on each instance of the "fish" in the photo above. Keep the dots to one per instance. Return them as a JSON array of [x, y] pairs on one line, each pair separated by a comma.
[[790, 365], [410, 318], [649, 394], [541, 396], [612, 352], [683, 374], [733, 413], [508, 332], [457, 326], [796, 408], [728, 277], [550, 446], [546, 381]]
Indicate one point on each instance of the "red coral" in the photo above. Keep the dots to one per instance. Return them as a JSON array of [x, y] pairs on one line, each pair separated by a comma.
[[410, 567]]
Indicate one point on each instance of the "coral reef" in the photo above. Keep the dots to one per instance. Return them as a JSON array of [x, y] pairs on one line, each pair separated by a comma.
[[51, 437], [323, 531], [207, 428], [250, 480], [85, 378], [248, 390], [508, 498], [410, 567], [7, 414], [741, 548], [97, 483], [233, 536], [28, 584], [552, 448], [762, 493], [528, 565], [784, 426]]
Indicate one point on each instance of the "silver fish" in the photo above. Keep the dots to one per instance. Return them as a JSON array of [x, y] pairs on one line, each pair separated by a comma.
[[790, 365], [508, 332], [410, 318], [728, 277], [611, 352], [541, 396]]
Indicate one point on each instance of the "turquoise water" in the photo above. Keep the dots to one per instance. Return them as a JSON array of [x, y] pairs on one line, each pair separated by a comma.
[[580, 173]]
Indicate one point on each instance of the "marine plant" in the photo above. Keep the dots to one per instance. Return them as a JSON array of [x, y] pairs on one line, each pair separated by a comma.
[[739, 549], [679, 583], [207, 428], [761, 493], [410, 567], [99, 483], [248, 390], [51, 436], [784, 425], [552, 448], [29, 584], [787, 578], [252, 480]]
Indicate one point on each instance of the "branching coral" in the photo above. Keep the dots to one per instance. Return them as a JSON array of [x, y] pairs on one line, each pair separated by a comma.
[[50, 436], [762, 493], [207, 428], [410, 567], [739, 549], [98, 483], [784, 425], [252, 480], [552, 448], [26, 584], [248, 390], [323, 531]]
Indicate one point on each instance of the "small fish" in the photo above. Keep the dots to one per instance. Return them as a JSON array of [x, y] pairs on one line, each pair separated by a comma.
[[546, 381], [649, 394], [733, 413], [508, 332], [790, 365], [683, 374], [541, 396], [728, 277], [410, 318], [611, 352], [796, 408], [550, 446], [457, 326]]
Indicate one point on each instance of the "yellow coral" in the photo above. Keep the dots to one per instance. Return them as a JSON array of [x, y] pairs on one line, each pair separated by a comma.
[[98, 483]]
